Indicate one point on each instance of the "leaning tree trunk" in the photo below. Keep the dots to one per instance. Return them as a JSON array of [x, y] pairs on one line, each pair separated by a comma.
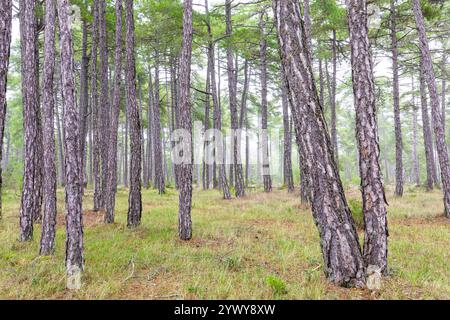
[[98, 201], [185, 168], [74, 224], [267, 180], [435, 106], [343, 263], [287, 162], [47, 245], [134, 197], [111, 186], [29, 203], [104, 97], [396, 99], [239, 183], [374, 201], [5, 42]]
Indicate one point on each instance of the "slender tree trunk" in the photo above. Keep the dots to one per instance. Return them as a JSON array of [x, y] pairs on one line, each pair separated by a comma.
[[47, 244], [239, 183], [396, 99], [205, 172], [98, 200], [287, 162], [134, 198], [416, 172], [263, 78], [243, 121], [29, 205], [125, 151], [104, 97], [427, 136], [5, 43], [443, 92], [159, 170], [374, 201], [333, 99], [435, 106], [111, 186], [84, 98], [74, 224], [343, 263], [150, 129], [185, 168]]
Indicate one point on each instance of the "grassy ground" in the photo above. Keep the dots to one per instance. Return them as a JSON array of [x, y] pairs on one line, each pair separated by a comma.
[[264, 246]]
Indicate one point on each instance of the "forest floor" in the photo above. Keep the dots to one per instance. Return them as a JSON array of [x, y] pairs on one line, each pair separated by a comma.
[[264, 246]]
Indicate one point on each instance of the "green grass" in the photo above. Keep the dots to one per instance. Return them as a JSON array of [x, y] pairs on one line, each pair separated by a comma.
[[261, 247]]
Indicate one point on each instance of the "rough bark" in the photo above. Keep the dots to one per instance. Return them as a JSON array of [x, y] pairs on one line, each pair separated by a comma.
[[185, 168], [5, 43], [47, 244], [267, 179], [74, 224], [436, 111], [30, 117], [237, 164], [374, 202], [134, 196], [427, 135], [396, 99], [159, 170], [343, 263], [111, 186], [104, 97]]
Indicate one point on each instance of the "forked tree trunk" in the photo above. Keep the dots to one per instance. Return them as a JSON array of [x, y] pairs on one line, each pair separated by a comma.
[[47, 244], [111, 186], [134, 196], [343, 263], [396, 99], [185, 168], [29, 203], [435, 106], [374, 202], [5, 43], [74, 224]]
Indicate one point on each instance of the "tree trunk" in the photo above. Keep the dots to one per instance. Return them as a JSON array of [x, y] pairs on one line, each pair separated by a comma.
[[396, 99], [98, 196], [5, 43], [104, 97], [74, 224], [343, 263], [47, 244], [267, 179], [239, 183], [84, 98], [150, 129], [185, 168], [243, 119], [205, 172], [134, 197], [435, 106], [374, 201], [287, 162], [416, 172], [333, 100], [111, 186], [427, 136], [29, 205], [159, 170]]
